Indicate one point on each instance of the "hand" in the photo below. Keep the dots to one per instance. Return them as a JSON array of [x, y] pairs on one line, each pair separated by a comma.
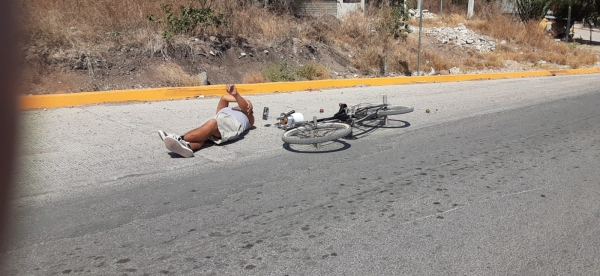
[[231, 90], [250, 107]]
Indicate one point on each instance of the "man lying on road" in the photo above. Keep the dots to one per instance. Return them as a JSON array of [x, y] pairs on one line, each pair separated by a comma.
[[227, 125]]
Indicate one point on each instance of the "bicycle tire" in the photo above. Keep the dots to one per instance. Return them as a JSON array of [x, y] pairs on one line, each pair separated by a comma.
[[322, 133], [364, 106], [395, 110]]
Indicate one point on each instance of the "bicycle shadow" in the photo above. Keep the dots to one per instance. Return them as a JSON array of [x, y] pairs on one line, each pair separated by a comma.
[[326, 147], [588, 42], [367, 128]]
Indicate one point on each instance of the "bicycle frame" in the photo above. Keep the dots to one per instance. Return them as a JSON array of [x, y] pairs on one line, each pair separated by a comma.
[[371, 113], [339, 125], [350, 115]]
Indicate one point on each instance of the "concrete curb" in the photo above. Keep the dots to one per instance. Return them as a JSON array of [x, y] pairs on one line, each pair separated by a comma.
[[28, 102]]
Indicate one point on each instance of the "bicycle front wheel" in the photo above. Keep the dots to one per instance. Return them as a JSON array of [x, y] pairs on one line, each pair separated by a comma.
[[310, 134], [395, 110]]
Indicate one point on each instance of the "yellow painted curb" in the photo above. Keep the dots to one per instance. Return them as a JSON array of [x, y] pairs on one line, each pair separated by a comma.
[[156, 94]]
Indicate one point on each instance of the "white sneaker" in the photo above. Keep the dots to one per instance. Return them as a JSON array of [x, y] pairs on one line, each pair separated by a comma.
[[162, 134], [176, 144]]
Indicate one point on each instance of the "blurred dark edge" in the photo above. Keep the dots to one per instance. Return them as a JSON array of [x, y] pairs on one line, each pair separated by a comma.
[[10, 62]]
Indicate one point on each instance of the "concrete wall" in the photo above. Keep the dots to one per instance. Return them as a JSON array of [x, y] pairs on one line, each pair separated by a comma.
[[344, 8], [337, 8], [316, 8], [508, 6]]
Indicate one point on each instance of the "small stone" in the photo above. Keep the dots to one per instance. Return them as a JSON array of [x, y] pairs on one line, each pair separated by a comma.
[[203, 78], [454, 70]]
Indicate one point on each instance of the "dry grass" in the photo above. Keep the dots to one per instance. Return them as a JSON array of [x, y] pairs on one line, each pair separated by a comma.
[[172, 74], [492, 60], [83, 23], [369, 61], [474, 63], [313, 71], [526, 42], [254, 77], [355, 29], [93, 27], [432, 59], [251, 21]]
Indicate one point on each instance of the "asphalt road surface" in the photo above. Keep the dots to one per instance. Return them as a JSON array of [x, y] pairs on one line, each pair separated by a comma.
[[507, 188]]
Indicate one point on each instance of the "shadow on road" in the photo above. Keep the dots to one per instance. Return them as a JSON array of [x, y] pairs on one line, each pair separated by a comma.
[[366, 128], [210, 143], [327, 147], [587, 42], [363, 128]]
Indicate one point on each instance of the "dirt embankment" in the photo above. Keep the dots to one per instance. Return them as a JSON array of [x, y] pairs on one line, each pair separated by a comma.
[[184, 62], [221, 60]]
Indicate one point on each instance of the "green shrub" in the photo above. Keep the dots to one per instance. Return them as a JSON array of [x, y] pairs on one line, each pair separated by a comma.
[[531, 9], [281, 71], [392, 21], [189, 19], [311, 71], [573, 45]]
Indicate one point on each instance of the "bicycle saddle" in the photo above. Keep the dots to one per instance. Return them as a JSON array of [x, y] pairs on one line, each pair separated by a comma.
[[341, 114]]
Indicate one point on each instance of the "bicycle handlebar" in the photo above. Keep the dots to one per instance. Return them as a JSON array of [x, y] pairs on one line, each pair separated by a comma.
[[287, 114]]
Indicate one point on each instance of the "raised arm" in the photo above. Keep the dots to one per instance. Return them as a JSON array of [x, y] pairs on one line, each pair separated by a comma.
[[233, 96], [224, 102], [250, 114], [232, 91]]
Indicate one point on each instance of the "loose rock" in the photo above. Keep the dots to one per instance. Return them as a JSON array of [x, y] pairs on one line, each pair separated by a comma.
[[462, 36]]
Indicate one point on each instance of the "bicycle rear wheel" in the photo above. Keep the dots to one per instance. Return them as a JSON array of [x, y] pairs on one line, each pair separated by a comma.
[[323, 132], [395, 110]]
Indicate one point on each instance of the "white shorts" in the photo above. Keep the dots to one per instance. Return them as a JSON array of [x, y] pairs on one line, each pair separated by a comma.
[[228, 126]]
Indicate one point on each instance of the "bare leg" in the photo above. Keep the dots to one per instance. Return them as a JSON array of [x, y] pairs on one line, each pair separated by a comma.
[[198, 136]]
